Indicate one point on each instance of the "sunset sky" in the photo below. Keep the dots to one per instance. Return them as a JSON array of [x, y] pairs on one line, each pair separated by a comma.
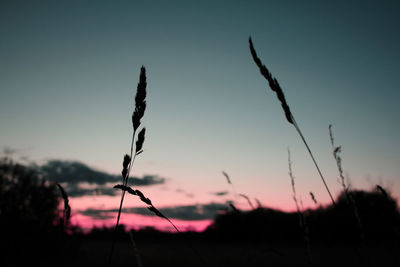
[[69, 71]]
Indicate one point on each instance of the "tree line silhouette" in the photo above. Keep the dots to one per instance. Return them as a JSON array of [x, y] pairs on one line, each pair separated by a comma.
[[332, 224]]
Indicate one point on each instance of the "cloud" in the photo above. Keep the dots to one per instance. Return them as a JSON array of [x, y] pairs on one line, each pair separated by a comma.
[[181, 191], [80, 179], [194, 212], [188, 213], [80, 189], [8, 151], [222, 193], [97, 214], [147, 180], [75, 172]]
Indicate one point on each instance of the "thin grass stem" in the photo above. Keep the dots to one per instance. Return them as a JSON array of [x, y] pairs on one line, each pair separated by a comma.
[[313, 159], [125, 182]]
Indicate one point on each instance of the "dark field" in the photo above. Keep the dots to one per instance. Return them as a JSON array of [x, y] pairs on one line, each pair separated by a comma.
[[179, 252]]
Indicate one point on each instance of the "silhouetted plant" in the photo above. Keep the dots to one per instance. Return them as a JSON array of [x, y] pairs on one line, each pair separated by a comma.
[[248, 200], [328, 225], [140, 107], [26, 198], [350, 200], [138, 113], [29, 216], [229, 181], [147, 201], [231, 203], [274, 85], [379, 214], [313, 198], [67, 207], [302, 219], [383, 191]]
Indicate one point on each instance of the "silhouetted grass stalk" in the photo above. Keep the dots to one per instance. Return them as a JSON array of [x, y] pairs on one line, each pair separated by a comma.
[[234, 208], [302, 220], [229, 181], [67, 208], [248, 200], [140, 107], [313, 198], [274, 85], [350, 200]]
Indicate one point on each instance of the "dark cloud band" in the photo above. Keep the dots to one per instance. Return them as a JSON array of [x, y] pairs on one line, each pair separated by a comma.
[[188, 213], [74, 175]]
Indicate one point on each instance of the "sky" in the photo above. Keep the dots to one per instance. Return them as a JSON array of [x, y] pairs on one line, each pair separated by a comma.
[[69, 71]]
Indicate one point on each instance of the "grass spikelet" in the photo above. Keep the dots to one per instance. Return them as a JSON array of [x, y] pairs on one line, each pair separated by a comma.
[[140, 141], [145, 200], [313, 198], [67, 207], [127, 160], [157, 212], [248, 200], [140, 103], [227, 177], [350, 200], [274, 85], [126, 188], [125, 165], [383, 191]]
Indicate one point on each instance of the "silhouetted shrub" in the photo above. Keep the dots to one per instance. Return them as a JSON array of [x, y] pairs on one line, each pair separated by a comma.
[[334, 224], [29, 215]]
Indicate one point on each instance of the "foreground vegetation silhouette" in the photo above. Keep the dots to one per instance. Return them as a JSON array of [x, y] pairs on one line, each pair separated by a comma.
[[33, 229]]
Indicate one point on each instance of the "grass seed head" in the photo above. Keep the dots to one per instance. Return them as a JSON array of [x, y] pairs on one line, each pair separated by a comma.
[[67, 207], [313, 198], [127, 160], [126, 188], [227, 177], [156, 212], [273, 83], [140, 102], [140, 141], [383, 191], [143, 198]]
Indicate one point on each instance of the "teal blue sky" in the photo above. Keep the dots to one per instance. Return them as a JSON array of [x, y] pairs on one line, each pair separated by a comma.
[[69, 70]]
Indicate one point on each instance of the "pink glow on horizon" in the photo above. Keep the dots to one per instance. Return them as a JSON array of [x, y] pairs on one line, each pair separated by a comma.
[[134, 221]]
